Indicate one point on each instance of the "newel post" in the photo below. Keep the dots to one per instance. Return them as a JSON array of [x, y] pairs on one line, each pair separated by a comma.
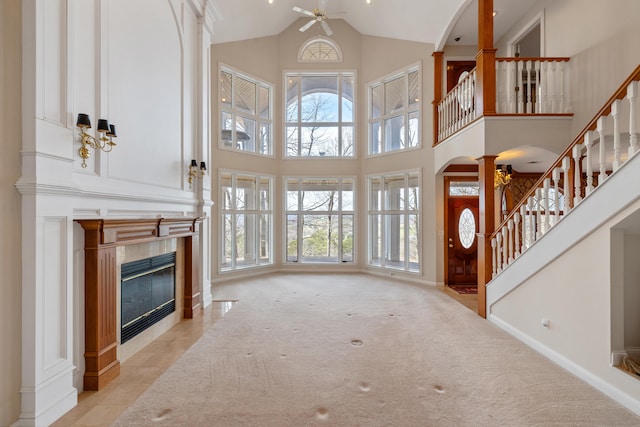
[[486, 202], [485, 61]]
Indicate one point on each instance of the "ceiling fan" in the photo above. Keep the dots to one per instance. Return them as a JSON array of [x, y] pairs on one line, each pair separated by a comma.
[[318, 14]]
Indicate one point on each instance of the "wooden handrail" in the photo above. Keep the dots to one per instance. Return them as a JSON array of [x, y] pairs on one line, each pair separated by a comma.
[[605, 110], [533, 58]]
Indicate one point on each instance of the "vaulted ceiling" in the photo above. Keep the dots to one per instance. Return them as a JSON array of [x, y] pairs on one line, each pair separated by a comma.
[[430, 21]]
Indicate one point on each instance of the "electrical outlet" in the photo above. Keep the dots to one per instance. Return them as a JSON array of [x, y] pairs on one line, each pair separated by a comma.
[[545, 323]]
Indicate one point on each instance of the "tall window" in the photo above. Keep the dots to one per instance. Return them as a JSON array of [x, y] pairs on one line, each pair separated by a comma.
[[320, 115], [394, 221], [320, 215], [245, 113], [246, 220], [394, 112]]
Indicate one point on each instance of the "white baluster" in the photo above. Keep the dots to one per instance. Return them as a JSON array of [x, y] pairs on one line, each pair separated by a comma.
[[588, 142], [494, 262], [538, 207], [512, 82], [566, 166], [577, 184], [532, 219], [473, 97], [527, 67], [511, 239], [520, 89], [554, 91], [632, 96], [617, 150], [499, 251], [544, 81], [545, 201], [516, 221], [601, 128], [556, 195], [523, 216], [505, 247], [563, 102]]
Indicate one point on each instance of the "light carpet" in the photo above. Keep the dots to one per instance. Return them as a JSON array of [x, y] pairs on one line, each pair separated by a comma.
[[356, 350]]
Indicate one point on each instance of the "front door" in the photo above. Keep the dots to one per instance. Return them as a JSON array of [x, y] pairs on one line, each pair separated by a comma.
[[462, 243]]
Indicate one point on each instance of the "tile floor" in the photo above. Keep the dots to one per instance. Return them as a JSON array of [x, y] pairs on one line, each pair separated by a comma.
[[101, 408]]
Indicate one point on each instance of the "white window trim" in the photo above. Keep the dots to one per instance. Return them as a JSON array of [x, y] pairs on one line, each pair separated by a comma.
[[259, 83], [319, 39], [222, 212], [381, 81], [418, 212], [284, 113], [354, 212]]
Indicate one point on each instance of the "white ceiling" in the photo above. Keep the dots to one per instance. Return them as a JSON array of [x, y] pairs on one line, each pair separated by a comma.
[[428, 21]]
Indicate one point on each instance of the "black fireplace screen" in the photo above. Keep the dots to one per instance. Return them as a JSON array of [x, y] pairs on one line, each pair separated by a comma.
[[148, 293]]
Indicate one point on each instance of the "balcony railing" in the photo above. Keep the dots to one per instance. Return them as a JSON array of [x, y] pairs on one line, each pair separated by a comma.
[[532, 86], [609, 140], [524, 86]]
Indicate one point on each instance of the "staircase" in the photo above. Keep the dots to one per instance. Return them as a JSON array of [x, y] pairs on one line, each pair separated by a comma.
[[566, 261]]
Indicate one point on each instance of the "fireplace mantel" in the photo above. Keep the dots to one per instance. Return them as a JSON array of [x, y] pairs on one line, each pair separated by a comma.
[[101, 237]]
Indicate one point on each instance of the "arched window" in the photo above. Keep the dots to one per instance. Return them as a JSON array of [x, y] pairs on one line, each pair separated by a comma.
[[320, 49], [319, 114]]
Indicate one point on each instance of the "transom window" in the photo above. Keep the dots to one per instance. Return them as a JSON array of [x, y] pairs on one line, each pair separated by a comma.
[[320, 219], [394, 112], [394, 221], [319, 115], [320, 49], [246, 220], [245, 113]]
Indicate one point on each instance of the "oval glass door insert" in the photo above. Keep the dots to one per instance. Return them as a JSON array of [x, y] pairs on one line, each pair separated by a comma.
[[467, 228]]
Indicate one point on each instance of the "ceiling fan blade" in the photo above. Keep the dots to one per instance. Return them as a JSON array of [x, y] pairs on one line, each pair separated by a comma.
[[326, 28], [303, 11], [322, 4], [308, 25]]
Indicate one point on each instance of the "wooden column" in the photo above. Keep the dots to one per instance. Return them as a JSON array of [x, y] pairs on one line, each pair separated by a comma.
[[486, 202], [192, 295], [485, 61], [100, 332], [437, 92]]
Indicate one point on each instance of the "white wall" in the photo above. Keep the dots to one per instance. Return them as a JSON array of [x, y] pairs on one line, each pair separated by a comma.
[[371, 58], [143, 65]]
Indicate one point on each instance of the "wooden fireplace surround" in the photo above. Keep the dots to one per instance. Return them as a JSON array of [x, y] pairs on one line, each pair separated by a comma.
[[101, 237]]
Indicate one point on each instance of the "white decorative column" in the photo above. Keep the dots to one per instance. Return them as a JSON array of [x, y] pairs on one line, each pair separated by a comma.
[[47, 389], [206, 22]]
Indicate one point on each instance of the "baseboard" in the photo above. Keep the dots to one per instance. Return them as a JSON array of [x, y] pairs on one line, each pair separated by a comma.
[[628, 401]]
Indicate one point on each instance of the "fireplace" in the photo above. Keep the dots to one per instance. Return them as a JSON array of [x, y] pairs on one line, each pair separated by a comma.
[[109, 243], [148, 293]]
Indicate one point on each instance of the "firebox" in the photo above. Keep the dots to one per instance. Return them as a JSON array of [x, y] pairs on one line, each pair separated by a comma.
[[147, 293]]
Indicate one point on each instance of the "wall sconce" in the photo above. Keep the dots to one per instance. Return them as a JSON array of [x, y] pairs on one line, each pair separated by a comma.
[[193, 171], [104, 142], [502, 175]]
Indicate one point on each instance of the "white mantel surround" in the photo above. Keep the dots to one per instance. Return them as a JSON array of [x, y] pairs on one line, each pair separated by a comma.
[[101, 58]]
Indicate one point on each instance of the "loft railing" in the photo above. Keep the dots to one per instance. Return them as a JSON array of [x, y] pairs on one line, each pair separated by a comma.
[[532, 86], [596, 153], [523, 86], [458, 108]]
